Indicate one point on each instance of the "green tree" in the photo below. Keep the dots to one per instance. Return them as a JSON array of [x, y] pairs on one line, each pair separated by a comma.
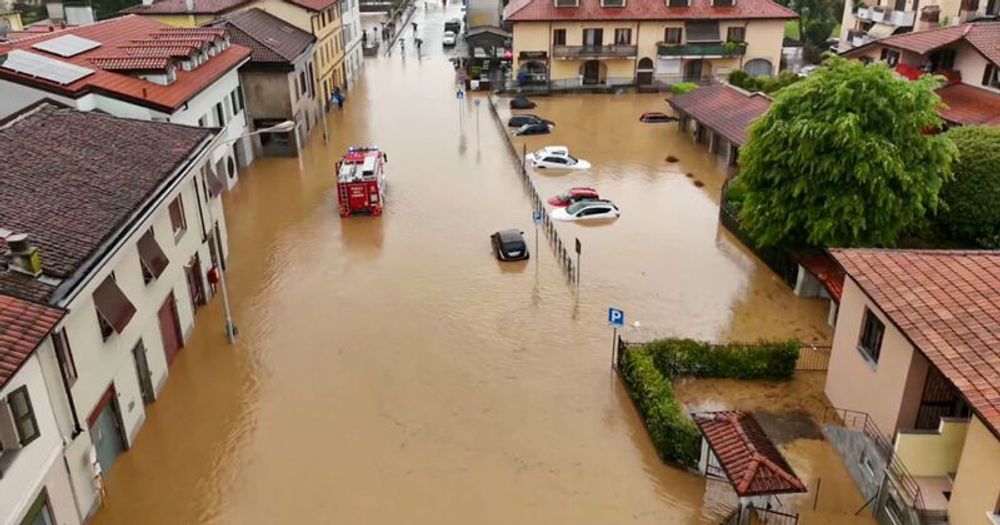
[[816, 22], [972, 211], [841, 159]]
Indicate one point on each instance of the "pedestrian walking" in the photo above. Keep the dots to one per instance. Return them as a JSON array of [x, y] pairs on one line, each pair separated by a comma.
[[402, 45], [364, 38], [414, 24], [338, 97], [419, 43]]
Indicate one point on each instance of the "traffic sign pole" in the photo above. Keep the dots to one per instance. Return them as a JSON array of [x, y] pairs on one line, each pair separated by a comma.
[[578, 246], [616, 318], [536, 217]]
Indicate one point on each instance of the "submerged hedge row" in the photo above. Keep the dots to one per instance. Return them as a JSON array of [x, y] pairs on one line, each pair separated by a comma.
[[649, 371]]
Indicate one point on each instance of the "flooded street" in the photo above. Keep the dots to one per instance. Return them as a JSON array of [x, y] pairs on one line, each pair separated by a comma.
[[389, 370]]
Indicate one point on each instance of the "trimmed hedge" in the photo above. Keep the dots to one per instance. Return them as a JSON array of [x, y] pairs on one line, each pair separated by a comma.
[[649, 371], [683, 87]]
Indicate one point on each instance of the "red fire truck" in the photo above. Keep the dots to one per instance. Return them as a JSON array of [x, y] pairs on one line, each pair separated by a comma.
[[361, 181]]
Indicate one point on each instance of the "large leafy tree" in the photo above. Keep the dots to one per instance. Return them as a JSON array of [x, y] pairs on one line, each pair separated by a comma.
[[844, 158], [972, 214], [817, 19]]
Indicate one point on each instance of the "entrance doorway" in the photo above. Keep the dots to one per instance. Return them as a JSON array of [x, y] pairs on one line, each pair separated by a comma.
[[143, 373], [192, 272], [644, 72], [170, 328], [693, 70], [106, 430], [591, 72]]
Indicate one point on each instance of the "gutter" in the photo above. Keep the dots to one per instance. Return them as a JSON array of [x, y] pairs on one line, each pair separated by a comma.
[[70, 288]]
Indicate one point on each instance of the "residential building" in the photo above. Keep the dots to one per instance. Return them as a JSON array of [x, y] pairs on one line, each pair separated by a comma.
[[916, 352], [186, 13], [967, 55], [136, 67], [10, 20], [863, 23], [569, 43], [118, 222], [484, 13], [34, 480], [277, 80], [354, 60]]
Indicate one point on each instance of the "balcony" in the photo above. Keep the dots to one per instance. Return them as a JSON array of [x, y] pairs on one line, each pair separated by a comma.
[[701, 49], [590, 52], [881, 15]]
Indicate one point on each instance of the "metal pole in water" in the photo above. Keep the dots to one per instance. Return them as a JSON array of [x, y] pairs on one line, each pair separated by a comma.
[[614, 346]]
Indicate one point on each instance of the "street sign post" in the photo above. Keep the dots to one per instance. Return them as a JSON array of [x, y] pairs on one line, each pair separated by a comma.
[[616, 318], [536, 217], [578, 247]]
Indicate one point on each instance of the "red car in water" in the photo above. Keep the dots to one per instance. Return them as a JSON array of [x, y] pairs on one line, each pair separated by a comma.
[[573, 195]]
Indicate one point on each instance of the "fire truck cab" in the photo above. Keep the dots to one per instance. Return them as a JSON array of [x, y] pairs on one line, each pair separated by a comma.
[[361, 181]]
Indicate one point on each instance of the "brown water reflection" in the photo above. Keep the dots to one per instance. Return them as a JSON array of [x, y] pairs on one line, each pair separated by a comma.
[[390, 371]]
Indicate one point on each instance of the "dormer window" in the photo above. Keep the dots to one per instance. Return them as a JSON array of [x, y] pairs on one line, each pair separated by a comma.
[[677, 3], [171, 74], [612, 3], [567, 3], [723, 3]]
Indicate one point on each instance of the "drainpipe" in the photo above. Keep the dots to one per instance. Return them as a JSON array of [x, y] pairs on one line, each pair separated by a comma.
[[548, 62], [635, 61], [746, 24]]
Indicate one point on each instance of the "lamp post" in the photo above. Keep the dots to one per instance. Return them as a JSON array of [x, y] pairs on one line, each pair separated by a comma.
[[281, 127]]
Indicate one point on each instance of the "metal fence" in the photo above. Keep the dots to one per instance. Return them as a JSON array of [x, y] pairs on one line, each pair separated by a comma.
[[560, 248], [780, 261]]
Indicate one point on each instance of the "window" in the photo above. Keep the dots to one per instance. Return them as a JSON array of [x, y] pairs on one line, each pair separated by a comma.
[[203, 121], [177, 218], [736, 34], [872, 329], [673, 35], [623, 36], [677, 3], [60, 341], [302, 83], [220, 115], [723, 3], [24, 416], [593, 37], [890, 57], [39, 513], [559, 37], [702, 31], [152, 260], [612, 3], [991, 78], [567, 3], [114, 310]]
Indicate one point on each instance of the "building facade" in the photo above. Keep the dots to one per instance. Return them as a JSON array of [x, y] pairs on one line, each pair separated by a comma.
[[967, 55], [278, 80], [573, 43], [137, 68], [914, 352], [863, 23], [353, 61], [34, 480], [131, 267], [185, 13]]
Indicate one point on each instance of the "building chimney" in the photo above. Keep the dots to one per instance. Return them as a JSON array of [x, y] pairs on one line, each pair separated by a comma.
[[22, 256], [189, 4]]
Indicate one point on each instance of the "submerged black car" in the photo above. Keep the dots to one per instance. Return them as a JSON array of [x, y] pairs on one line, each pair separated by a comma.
[[521, 102], [508, 245], [533, 129], [520, 120]]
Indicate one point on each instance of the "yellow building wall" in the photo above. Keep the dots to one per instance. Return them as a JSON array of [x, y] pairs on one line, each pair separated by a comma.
[[976, 490], [529, 36], [764, 38], [175, 20], [933, 454], [13, 20]]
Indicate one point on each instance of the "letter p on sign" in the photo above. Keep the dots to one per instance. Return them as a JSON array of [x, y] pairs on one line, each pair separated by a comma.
[[616, 317]]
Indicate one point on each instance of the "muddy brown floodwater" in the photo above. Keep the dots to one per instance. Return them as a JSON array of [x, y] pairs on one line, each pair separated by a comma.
[[389, 370]]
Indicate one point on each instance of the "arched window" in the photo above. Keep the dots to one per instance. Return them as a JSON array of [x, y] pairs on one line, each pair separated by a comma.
[[645, 63], [758, 67]]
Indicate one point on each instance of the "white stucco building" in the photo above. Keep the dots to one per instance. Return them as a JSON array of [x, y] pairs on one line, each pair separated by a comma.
[[353, 58], [136, 67], [131, 266]]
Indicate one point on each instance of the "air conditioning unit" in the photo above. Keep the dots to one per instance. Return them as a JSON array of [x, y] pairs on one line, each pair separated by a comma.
[[9, 439]]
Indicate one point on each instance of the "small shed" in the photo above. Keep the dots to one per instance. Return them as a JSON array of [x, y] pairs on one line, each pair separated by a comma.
[[735, 448], [719, 114]]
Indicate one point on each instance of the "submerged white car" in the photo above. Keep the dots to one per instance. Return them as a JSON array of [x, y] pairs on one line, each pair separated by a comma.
[[556, 157], [586, 210], [448, 39]]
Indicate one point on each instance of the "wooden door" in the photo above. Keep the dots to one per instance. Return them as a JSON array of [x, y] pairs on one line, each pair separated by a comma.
[[196, 287], [106, 430], [591, 72], [170, 328]]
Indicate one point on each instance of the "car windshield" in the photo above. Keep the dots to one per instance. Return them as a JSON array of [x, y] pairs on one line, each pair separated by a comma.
[[513, 246], [576, 207]]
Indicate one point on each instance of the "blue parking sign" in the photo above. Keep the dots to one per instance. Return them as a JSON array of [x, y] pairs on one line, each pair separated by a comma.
[[616, 317], [536, 217]]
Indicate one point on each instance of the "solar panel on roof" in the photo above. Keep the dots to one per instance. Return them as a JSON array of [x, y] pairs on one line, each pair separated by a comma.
[[40, 66], [67, 45]]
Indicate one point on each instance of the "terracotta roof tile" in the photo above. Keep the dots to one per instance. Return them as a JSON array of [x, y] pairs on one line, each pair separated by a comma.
[[71, 179], [750, 460], [131, 63], [824, 268], [23, 326], [947, 303], [968, 105], [167, 7], [724, 108], [270, 39], [546, 10], [124, 31], [984, 36]]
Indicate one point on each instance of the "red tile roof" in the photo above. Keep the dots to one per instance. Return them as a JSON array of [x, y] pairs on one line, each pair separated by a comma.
[[969, 105], [947, 303], [271, 40], [824, 268], [724, 108], [749, 458], [23, 326], [72, 180], [153, 63], [116, 33], [983, 36], [546, 10], [172, 7], [314, 5]]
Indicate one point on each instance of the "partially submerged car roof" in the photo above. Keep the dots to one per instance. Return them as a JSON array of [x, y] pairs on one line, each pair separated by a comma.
[[556, 150], [510, 235]]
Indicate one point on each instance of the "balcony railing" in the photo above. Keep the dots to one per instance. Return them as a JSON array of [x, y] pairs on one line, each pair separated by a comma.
[[887, 16], [701, 49], [610, 51]]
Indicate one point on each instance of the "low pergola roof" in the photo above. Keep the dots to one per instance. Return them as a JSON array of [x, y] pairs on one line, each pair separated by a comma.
[[750, 460]]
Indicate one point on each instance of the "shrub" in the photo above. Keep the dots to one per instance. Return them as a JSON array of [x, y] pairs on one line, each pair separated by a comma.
[[683, 87], [972, 215], [766, 84], [674, 434], [649, 370]]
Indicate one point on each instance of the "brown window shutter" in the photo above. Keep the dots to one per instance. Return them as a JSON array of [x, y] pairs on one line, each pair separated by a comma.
[[215, 184], [112, 305], [151, 255]]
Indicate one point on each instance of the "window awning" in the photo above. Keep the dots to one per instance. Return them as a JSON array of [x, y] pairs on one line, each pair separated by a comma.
[[112, 305], [881, 30], [151, 255], [215, 184]]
